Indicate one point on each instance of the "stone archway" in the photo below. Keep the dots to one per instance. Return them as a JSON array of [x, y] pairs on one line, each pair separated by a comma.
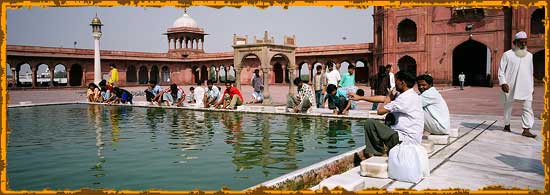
[[154, 75], [538, 65], [24, 75], [131, 74], [361, 72], [304, 72], [42, 75], [265, 49], [165, 75], [75, 75], [143, 75], [406, 31], [60, 75], [537, 26], [279, 72], [344, 67], [471, 58], [408, 64], [204, 74]]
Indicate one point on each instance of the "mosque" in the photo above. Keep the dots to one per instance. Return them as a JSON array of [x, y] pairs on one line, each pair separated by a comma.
[[440, 41]]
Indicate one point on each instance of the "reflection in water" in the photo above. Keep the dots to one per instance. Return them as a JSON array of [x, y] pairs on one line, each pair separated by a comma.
[[95, 113], [116, 113], [189, 133], [154, 116], [260, 145], [166, 148]]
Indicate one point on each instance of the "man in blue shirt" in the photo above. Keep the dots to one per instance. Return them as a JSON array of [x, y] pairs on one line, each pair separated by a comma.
[[153, 93], [337, 100]]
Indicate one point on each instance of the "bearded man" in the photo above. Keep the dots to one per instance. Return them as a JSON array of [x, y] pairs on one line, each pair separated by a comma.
[[515, 77]]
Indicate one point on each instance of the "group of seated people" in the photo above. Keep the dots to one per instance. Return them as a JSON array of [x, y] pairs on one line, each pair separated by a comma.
[[106, 93], [409, 114], [338, 98], [199, 97]]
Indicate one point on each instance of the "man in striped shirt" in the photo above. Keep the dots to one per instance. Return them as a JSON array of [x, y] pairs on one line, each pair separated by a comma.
[[303, 101]]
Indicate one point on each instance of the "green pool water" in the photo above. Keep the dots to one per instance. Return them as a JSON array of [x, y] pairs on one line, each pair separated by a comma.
[[118, 147]]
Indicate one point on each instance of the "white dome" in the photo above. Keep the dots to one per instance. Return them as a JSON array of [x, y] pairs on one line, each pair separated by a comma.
[[185, 21]]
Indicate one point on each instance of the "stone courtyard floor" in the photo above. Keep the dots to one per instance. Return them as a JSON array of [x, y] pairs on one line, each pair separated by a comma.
[[482, 155]]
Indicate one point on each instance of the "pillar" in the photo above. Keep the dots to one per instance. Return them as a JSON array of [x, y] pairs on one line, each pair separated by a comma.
[[169, 43], [178, 43], [196, 44], [52, 75], [291, 70], [97, 62], [69, 76], [311, 72], [202, 44], [184, 42], [14, 76], [33, 70], [238, 76], [267, 80]]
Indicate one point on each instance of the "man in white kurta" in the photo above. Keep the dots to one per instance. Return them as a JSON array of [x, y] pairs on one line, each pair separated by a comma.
[[515, 76], [437, 119], [406, 107], [389, 70]]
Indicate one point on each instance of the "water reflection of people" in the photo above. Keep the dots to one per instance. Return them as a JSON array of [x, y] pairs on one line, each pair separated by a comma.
[[233, 124], [190, 133], [115, 117], [261, 145], [95, 114], [153, 114], [338, 131]]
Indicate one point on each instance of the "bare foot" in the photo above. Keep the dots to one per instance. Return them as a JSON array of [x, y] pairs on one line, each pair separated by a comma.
[[507, 128], [526, 133]]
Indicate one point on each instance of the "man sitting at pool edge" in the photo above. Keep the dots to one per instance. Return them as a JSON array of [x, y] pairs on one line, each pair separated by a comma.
[[303, 101], [406, 107], [436, 113], [337, 100], [231, 97], [212, 94]]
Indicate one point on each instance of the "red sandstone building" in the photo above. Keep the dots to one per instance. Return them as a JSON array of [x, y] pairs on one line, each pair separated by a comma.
[[440, 41], [444, 41]]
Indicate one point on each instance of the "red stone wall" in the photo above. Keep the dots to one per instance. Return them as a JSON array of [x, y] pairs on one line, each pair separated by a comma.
[[437, 37]]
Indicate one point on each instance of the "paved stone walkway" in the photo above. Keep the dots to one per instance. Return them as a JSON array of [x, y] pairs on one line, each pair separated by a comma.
[[482, 155]]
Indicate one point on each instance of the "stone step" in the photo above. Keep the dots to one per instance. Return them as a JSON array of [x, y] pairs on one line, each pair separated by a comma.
[[350, 180], [439, 139], [375, 167], [453, 132], [428, 145], [280, 109]]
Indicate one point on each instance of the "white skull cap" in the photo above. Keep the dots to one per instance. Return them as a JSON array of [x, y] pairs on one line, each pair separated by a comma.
[[520, 35]]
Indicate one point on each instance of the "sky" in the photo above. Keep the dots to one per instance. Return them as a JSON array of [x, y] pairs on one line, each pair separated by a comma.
[[141, 29]]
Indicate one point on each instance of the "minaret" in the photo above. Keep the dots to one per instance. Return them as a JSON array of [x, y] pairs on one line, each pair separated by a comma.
[[96, 33]]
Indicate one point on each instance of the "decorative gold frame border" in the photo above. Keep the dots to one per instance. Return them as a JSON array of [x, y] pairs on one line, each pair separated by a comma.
[[360, 4]]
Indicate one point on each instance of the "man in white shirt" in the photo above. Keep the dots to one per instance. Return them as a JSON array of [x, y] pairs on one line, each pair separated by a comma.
[[436, 113], [515, 76], [389, 70], [198, 95], [461, 79], [406, 107], [212, 94], [332, 75]]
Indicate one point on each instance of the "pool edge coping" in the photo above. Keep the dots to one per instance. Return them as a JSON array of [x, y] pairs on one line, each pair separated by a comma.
[[349, 116]]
